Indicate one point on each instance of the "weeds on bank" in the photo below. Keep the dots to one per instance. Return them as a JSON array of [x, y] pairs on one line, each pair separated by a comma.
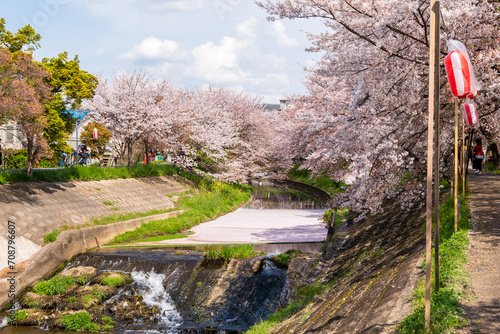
[[204, 206], [283, 260], [228, 253], [87, 173], [446, 311], [51, 237], [320, 181], [55, 286]]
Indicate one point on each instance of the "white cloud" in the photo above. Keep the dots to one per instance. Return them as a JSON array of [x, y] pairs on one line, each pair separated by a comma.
[[278, 30], [219, 63], [105, 7], [246, 29], [154, 49], [236, 61]]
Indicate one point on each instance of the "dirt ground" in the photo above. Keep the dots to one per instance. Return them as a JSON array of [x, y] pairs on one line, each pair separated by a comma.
[[484, 254]]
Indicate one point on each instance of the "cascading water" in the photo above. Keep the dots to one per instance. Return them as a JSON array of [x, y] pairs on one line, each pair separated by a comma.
[[150, 286]]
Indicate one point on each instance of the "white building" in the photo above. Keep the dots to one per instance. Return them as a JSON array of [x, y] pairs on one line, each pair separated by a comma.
[[10, 136], [72, 140]]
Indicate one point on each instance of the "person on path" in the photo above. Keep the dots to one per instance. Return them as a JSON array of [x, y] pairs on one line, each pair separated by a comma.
[[83, 151], [478, 156]]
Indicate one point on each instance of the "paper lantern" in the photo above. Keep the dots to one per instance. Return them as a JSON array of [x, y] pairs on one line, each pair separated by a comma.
[[473, 94], [95, 135], [470, 115], [459, 73]]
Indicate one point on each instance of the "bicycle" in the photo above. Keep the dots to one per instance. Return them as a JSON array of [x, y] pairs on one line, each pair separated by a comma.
[[74, 159]]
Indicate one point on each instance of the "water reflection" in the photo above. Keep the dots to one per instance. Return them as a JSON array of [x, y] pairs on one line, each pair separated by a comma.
[[272, 196]]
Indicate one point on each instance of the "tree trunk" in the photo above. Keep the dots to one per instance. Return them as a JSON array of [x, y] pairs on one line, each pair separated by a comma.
[[129, 152], [494, 155], [32, 155], [146, 146]]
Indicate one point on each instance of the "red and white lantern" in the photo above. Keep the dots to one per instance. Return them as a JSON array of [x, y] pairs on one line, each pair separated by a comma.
[[95, 135], [470, 115], [458, 71]]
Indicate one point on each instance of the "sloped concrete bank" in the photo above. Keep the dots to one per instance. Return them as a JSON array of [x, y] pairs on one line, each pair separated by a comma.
[[372, 267]]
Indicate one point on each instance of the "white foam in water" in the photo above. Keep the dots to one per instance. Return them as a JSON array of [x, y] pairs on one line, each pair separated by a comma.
[[3, 323], [151, 288]]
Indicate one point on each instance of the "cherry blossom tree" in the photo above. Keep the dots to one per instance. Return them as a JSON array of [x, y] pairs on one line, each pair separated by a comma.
[[365, 115], [131, 106], [221, 132], [217, 130]]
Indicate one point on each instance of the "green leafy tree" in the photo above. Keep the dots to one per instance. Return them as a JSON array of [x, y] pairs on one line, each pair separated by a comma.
[[96, 145], [70, 86], [26, 37]]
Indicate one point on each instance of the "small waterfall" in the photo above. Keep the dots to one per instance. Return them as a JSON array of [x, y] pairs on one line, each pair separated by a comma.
[[3, 323], [150, 286]]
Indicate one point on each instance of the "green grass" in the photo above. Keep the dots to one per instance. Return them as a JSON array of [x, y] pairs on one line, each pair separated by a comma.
[[237, 252], [283, 260], [51, 237], [125, 216], [339, 218], [87, 173], [79, 321], [446, 311], [112, 281], [17, 316], [164, 237], [200, 208], [54, 286], [321, 181]]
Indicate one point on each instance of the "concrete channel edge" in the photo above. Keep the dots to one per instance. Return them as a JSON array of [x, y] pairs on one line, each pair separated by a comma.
[[68, 244]]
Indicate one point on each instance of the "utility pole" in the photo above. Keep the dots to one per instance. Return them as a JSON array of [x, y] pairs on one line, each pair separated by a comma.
[[433, 116]]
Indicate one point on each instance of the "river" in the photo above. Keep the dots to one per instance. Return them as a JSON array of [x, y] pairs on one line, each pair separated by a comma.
[[173, 278]]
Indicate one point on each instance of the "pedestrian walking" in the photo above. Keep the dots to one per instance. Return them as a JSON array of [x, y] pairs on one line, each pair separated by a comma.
[[478, 155]]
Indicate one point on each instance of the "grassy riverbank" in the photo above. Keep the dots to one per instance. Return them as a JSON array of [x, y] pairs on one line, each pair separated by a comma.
[[446, 310], [320, 181], [94, 173]]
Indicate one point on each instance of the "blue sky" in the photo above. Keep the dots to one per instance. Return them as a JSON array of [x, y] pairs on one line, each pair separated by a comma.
[[191, 42]]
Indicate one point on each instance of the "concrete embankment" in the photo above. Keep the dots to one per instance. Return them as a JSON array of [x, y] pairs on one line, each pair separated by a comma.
[[37, 208]]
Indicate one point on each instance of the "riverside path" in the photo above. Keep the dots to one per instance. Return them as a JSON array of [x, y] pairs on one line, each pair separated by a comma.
[[484, 253]]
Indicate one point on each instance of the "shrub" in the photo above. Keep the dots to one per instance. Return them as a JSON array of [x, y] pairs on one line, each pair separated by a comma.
[[15, 159]]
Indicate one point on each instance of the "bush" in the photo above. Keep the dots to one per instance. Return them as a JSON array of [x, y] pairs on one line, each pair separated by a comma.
[[15, 159]]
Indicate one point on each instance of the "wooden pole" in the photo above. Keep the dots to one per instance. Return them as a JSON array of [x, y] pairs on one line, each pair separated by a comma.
[[464, 166], [455, 195], [433, 109]]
